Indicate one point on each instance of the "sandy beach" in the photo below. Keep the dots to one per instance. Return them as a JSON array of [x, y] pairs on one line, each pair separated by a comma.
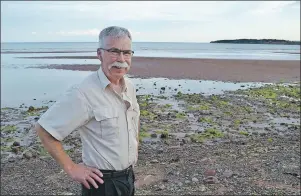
[[200, 69]]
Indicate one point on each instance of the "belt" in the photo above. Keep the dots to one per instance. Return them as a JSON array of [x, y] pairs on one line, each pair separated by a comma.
[[115, 174]]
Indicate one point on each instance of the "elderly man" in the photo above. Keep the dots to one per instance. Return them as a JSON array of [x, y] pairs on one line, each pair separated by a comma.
[[104, 109]]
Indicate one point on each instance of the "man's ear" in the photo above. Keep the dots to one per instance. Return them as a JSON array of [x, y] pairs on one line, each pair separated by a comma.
[[99, 54]]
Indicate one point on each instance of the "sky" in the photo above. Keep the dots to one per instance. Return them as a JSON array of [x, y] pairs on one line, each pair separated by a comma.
[[149, 21]]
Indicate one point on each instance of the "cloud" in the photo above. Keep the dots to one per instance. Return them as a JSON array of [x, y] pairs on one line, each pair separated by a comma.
[[34, 33], [92, 32], [271, 7]]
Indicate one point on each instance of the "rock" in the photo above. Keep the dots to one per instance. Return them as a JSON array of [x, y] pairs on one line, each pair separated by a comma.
[[27, 155], [195, 179], [164, 135], [211, 180], [165, 180], [227, 173], [160, 151], [161, 187], [210, 172], [30, 109], [186, 140], [202, 188], [15, 149], [11, 159], [16, 143], [154, 161], [187, 181], [163, 88], [154, 135], [180, 184]]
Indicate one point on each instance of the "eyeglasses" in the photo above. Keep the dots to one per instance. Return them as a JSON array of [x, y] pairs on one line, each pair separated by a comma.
[[114, 52]]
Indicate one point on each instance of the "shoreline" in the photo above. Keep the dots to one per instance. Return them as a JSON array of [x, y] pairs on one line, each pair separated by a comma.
[[199, 69]]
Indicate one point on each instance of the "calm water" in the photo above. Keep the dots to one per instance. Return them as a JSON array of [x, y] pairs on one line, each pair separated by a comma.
[[21, 85], [183, 50]]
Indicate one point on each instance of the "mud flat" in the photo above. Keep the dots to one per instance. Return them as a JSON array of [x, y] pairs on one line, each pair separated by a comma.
[[239, 142]]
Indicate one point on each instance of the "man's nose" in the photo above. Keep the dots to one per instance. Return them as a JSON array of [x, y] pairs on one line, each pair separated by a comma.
[[121, 57]]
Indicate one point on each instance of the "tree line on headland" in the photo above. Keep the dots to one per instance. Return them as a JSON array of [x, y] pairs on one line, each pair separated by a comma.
[[257, 41]]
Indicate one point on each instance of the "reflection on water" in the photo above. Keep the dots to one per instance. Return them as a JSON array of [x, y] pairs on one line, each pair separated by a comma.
[[20, 86]]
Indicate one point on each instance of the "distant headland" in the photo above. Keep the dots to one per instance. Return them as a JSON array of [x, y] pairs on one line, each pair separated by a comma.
[[257, 41]]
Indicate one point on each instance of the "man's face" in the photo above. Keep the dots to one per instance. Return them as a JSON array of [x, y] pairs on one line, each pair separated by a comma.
[[110, 58]]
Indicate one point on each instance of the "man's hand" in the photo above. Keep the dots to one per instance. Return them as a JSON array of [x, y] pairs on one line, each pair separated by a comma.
[[85, 175]]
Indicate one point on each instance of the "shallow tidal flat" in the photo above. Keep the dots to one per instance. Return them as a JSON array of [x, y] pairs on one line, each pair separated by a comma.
[[239, 142]]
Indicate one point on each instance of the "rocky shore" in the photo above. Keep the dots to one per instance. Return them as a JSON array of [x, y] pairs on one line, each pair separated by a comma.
[[244, 142]]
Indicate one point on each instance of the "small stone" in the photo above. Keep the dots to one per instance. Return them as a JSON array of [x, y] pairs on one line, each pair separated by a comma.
[[210, 172], [202, 188], [154, 161], [163, 88], [27, 155], [211, 180], [16, 143], [195, 179], [180, 184], [11, 159], [161, 187], [15, 149], [160, 151], [165, 180], [30, 109], [227, 173], [154, 135], [187, 181]]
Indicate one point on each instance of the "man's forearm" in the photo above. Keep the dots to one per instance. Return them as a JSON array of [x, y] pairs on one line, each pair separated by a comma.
[[54, 148]]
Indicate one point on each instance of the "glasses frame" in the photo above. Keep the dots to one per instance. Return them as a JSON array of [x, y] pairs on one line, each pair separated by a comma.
[[116, 50]]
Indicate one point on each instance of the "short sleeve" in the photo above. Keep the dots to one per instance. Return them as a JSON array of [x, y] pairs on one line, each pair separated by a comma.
[[135, 102], [66, 114]]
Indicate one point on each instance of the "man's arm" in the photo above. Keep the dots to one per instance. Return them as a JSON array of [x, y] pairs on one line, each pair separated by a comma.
[[67, 114], [55, 149], [77, 172]]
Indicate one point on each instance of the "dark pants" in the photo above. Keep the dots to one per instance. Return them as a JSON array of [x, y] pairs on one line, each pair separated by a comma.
[[120, 183]]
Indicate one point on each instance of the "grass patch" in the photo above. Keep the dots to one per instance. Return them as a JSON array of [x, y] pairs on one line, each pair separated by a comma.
[[209, 133], [180, 115], [198, 107], [8, 129], [244, 133]]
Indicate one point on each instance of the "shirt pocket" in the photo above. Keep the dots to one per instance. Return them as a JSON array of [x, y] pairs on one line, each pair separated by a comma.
[[108, 122], [134, 120]]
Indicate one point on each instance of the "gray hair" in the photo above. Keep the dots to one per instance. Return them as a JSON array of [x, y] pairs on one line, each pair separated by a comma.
[[113, 31]]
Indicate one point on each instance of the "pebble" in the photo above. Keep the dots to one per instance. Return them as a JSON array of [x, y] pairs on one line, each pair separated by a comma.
[[194, 179], [154, 161], [16, 143], [11, 159], [227, 173], [27, 155], [202, 188], [187, 181], [160, 151], [211, 180], [154, 135], [161, 187], [180, 184], [210, 172]]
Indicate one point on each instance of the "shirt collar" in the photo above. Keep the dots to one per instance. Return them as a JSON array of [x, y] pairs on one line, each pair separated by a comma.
[[104, 81]]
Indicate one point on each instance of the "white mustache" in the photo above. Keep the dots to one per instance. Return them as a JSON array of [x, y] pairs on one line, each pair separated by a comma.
[[118, 64]]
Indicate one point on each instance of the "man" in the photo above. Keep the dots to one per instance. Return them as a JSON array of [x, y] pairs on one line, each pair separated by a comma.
[[104, 109]]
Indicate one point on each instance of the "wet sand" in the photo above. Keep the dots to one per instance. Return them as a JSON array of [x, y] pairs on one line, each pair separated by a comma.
[[201, 69]]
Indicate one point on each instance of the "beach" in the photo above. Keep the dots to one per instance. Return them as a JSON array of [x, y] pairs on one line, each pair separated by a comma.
[[200, 69], [208, 126]]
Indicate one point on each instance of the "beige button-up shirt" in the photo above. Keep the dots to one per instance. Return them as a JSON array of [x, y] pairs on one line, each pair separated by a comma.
[[107, 121]]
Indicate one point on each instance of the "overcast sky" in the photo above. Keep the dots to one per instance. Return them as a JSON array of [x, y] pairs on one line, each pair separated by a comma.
[[158, 21]]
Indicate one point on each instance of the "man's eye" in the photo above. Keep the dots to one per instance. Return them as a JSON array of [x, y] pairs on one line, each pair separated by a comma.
[[127, 53], [114, 51]]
